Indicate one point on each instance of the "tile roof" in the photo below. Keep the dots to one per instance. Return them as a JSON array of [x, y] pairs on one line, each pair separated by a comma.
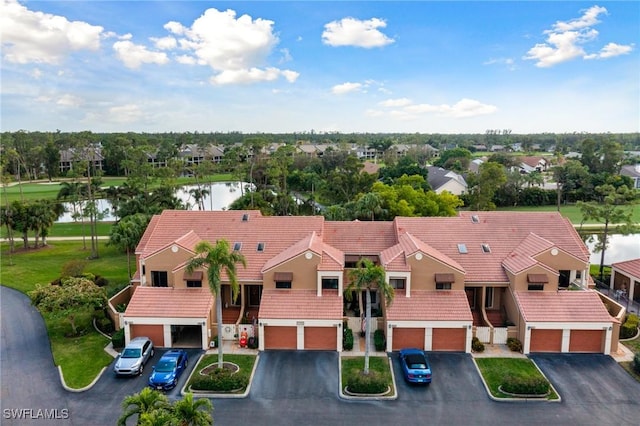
[[276, 232], [503, 231], [169, 302], [430, 305], [562, 306], [358, 237], [300, 304], [522, 257], [631, 267]]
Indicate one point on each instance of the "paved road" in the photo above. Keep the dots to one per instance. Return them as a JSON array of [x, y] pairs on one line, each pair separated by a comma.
[[301, 388]]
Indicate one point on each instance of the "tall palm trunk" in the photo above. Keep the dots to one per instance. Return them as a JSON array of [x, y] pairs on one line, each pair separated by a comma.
[[219, 321], [367, 331]]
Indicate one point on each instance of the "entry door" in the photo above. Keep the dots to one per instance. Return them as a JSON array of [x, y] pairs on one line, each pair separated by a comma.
[[255, 294]]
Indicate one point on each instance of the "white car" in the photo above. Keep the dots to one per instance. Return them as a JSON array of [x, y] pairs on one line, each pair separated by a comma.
[[134, 356]]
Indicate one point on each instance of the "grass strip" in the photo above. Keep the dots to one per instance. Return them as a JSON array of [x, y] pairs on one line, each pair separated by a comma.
[[495, 370]]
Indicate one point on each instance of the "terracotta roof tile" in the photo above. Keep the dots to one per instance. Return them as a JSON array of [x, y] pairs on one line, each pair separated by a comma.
[[359, 237], [631, 267], [562, 306], [300, 304], [430, 305], [169, 302]]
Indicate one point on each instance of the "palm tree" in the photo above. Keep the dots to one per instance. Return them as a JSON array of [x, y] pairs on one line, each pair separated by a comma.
[[199, 195], [157, 417], [369, 205], [188, 412], [366, 277], [127, 232], [146, 401], [217, 259]]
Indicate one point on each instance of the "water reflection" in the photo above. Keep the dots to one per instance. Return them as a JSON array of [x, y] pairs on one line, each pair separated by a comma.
[[620, 248], [220, 196]]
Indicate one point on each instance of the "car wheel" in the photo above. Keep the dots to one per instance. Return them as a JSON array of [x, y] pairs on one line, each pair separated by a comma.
[[152, 352], [141, 369], [186, 363]]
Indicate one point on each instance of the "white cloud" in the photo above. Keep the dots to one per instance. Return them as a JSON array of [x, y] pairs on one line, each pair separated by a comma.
[[611, 50], [565, 40], [508, 62], [462, 109], [36, 73], [68, 100], [396, 102], [164, 43], [354, 32], [252, 75], [134, 55], [129, 113], [236, 48], [341, 89], [38, 37]]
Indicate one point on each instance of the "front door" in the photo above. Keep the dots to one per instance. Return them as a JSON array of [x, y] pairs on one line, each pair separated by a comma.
[[255, 293]]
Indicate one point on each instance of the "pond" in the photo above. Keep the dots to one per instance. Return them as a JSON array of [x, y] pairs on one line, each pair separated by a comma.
[[221, 195], [620, 248]]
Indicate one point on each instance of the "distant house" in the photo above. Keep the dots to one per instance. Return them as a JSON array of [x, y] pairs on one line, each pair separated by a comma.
[[91, 153], [446, 180], [474, 166], [633, 171], [371, 168], [533, 164]]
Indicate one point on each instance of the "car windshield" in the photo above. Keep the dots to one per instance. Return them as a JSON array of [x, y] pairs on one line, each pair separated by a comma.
[[165, 366], [131, 353], [416, 362]]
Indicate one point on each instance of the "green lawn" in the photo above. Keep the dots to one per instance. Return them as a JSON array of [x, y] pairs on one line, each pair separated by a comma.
[[246, 364], [634, 345], [81, 358], [495, 370], [572, 212], [67, 229], [355, 365], [49, 190]]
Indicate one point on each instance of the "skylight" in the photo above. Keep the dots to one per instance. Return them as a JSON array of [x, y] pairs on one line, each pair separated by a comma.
[[486, 248], [462, 248], [237, 246], [260, 247], [475, 218]]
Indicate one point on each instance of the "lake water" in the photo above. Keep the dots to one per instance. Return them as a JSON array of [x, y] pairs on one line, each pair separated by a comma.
[[620, 248], [221, 195]]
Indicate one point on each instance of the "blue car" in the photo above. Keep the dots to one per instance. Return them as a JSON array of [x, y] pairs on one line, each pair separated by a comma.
[[415, 366], [168, 370]]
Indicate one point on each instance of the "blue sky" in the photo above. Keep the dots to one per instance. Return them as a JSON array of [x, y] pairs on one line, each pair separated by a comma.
[[258, 66]]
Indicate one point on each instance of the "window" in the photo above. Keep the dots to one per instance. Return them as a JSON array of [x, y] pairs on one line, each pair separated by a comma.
[[329, 283], [283, 284], [260, 247], [237, 246], [397, 283], [191, 284], [159, 279], [488, 301], [535, 287], [245, 217], [486, 248], [462, 248], [443, 286]]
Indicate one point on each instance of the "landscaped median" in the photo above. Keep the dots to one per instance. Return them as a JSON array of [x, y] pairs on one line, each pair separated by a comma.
[[232, 381], [515, 379], [378, 384]]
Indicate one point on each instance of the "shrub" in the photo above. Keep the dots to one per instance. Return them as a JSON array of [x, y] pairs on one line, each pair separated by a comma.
[[514, 344], [379, 340], [636, 363], [477, 345], [118, 339], [526, 386], [73, 268], [367, 383], [347, 339], [252, 343], [101, 281], [105, 324], [630, 326], [220, 379]]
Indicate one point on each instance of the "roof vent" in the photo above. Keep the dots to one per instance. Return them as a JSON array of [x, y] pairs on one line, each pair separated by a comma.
[[486, 248], [462, 248], [475, 218], [245, 217]]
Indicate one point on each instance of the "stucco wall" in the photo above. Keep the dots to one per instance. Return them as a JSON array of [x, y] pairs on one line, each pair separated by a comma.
[[303, 269], [423, 273], [519, 282]]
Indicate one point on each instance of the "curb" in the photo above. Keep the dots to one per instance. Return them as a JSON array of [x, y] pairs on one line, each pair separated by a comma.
[[352, 397], [86, 388], [199, 394], [495, 398]]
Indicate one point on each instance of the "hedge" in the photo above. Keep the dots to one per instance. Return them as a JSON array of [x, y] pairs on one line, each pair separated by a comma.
[[526, 386], [372, 383]]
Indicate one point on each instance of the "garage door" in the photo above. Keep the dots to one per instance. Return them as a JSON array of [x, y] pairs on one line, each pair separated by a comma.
[[320, 338], [154, 332], [586, 341], [546, 341], [407, 338], [280, 337], [449, 339]]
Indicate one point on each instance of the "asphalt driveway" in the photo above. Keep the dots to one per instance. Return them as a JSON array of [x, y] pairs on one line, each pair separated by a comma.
[[293, 388]]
